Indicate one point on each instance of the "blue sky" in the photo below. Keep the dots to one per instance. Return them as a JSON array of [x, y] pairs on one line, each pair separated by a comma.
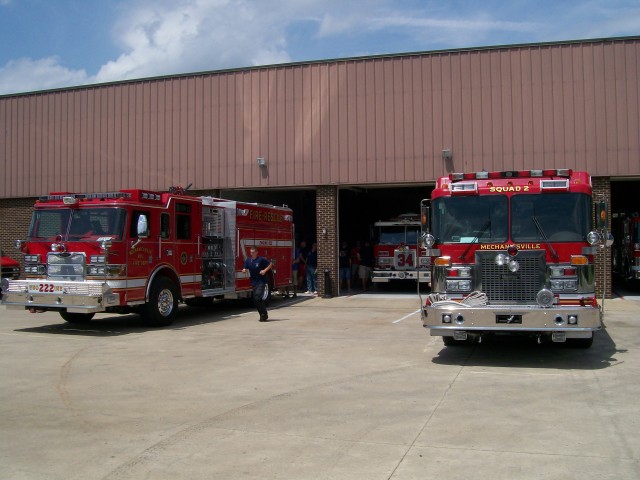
[[58, 43]]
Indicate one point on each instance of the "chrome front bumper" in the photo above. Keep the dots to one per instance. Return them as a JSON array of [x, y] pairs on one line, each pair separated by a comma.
[[512, 319], [74, 297], [385, 276]]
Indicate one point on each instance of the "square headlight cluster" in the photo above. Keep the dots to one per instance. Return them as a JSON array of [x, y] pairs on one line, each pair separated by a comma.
[[107, 270], [459, 285], [563, 279], [459, 279], [34, 269]]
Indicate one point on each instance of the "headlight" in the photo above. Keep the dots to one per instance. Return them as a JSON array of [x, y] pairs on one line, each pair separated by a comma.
[[545, 298], [107, 270], [459, 285], [97, 259], [34, 269], [593, 238], [93, 270]]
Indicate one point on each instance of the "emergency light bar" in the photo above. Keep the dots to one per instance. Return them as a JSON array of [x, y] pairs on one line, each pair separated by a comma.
[[464, 188], [73, 198], [558, 172], [554, 185]]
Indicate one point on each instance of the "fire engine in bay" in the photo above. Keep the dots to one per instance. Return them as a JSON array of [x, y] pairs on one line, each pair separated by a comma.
[[144, 251], [395, 244], [626, 246], [513, 253]]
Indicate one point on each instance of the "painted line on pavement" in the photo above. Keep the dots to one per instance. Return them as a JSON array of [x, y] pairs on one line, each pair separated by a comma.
[[406, 316]]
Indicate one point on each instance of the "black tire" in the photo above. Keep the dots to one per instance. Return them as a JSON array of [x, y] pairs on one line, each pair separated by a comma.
[[162, 306], [76, 317], [450, 342]]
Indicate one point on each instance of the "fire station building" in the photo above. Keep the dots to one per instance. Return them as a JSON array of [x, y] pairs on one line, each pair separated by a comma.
[[342, 142]]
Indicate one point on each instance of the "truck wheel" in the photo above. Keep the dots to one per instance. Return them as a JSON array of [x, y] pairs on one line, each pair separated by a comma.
[[266, 296], [163, 303], [76, 317]]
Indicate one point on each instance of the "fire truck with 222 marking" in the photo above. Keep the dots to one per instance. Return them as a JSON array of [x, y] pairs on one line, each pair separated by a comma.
[[513, 253], [143, 251]]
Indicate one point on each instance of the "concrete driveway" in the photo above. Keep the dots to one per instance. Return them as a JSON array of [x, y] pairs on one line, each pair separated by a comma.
[[340, 388]]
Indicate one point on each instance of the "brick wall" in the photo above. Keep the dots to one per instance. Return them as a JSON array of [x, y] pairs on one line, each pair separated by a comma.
[[15, 216], [602, 189], [327, 221]]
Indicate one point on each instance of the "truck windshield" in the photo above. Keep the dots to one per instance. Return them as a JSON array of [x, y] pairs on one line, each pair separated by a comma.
[[395, 235], [77, 224], [635, 232], [562, 217], [462, 219]]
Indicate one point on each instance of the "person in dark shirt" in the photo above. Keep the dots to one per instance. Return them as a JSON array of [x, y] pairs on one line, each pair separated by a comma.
[[344, 262], [300, 264], [258, 268], [366, 264], [312, 265]]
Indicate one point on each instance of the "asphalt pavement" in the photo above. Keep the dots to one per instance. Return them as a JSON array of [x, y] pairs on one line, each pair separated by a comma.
[[349, 387]]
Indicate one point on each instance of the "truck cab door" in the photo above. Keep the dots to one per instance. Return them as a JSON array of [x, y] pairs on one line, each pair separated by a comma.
[[142, 253]]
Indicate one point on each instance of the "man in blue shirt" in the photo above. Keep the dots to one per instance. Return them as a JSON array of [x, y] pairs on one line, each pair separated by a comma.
[[258, 268]]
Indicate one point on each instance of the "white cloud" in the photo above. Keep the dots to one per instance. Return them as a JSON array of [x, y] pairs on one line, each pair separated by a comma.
[[197, 35], [164, 37], [26, 75]]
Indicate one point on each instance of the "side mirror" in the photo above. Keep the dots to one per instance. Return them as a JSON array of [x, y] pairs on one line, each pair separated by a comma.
[[609, 241], [424, 215], [143, 227], [427, 240]]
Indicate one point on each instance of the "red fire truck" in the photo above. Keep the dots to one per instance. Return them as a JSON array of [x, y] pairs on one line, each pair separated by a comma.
[[513, 253], [394, 245], [9, 268], [626, 248], [143, 251]]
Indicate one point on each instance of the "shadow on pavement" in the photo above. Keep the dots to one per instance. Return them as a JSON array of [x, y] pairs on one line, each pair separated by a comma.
[[117, 325], [525, 352]]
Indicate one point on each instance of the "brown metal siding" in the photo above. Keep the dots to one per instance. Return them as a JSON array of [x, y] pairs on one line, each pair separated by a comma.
[[379, 120]]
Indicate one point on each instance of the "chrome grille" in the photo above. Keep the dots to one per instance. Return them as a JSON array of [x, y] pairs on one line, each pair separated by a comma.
[[502, 286], [66, 266]]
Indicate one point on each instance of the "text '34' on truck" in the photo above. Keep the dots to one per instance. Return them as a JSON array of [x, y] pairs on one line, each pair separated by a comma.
[[512, 253], [142, 251], [395, 247]]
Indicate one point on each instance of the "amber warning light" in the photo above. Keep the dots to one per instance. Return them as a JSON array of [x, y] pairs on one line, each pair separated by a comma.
[[601, 209]]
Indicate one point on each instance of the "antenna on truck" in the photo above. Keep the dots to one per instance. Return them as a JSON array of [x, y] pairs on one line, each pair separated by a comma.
[[179, 190]]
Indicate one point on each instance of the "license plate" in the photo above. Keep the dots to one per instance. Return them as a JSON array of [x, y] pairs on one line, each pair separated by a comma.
[[559, 337], [44, 288], [459, 335], [509, 319]]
